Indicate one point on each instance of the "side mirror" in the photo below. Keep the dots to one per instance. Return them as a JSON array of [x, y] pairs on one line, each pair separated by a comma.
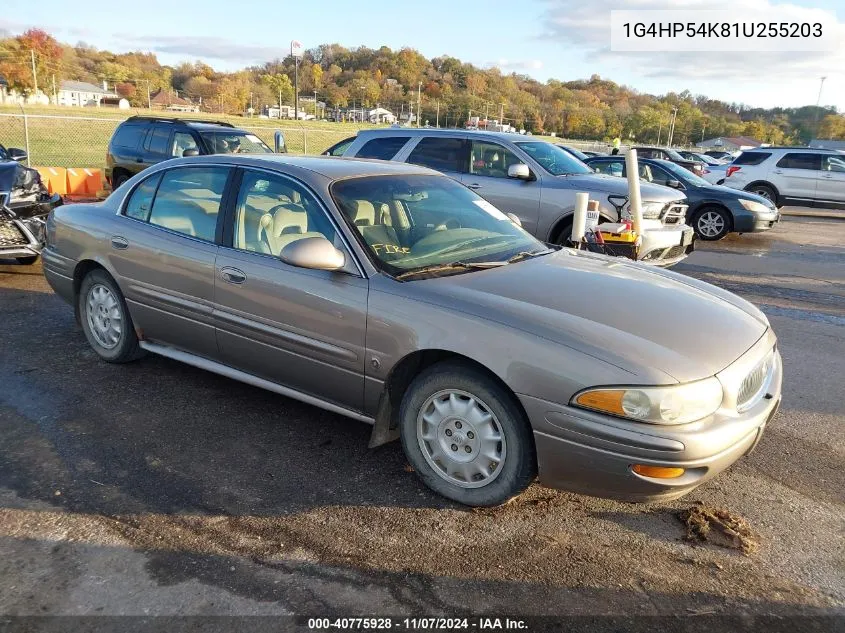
[[313, 252], [519, 170], [279, 142], [16, 154], [513, 218], [191, 152], [675, 184]]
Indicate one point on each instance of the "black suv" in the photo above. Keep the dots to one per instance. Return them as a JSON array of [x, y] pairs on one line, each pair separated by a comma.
[[141, 141]]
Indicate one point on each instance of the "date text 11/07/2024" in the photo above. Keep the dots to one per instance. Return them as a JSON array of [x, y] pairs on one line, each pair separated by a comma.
[[418, 624]]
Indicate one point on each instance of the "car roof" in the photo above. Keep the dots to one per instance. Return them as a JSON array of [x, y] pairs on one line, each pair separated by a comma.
[[793, 149], [428, 131], [198, 124], [331, 167]]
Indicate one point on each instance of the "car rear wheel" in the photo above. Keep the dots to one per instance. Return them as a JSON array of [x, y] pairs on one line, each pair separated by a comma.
[[119, 179], [27, 261], [765, 191], [466, 437], [105, 319], [711, 223]]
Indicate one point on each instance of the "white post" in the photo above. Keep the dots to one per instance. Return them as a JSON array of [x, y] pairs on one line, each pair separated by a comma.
[[634, 199], [579, 217]]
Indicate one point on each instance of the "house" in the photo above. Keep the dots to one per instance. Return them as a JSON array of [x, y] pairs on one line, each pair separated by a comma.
[[381, 115], [167, 99], [823, 143], [730, 143], [286, 112], [82, 93]]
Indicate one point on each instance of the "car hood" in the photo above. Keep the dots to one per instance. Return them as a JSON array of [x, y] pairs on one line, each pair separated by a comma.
[[659, 326], [615, 185], [738, 194]]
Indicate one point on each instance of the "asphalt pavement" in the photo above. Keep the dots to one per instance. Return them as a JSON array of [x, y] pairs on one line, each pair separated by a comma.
[[156, 488]]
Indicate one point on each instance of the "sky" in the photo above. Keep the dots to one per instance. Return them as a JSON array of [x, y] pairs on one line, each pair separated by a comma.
[[559, 39]]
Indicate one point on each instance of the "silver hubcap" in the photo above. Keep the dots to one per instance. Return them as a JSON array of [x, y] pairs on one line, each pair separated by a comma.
[[765, 193], [461, 438], [105, 319], [711, 224]]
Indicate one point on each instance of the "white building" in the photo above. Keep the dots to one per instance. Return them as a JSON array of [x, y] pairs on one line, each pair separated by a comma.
[[381, 115], [81, 93]]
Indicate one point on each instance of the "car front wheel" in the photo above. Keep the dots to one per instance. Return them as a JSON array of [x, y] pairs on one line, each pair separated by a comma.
[[466, 437], [105, 319], [712, 223]]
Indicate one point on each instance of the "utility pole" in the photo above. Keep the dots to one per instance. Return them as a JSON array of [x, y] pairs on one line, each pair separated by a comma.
[[446, 124], [315, 104], [815, 116], [35, 76], [55, 96], [486, 114], [672, 128], [437, 120], [296, 88], [501, 114], [419, 109], [659, 130]]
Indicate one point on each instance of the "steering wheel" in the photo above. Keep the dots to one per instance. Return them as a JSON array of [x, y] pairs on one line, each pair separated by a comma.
[[448, 223]]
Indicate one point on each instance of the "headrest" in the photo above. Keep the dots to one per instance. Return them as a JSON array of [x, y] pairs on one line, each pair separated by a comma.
[[290, 218], [365, 213]]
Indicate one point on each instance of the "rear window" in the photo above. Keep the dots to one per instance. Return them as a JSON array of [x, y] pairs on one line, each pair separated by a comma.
[[383, 148], [128, 136], [442, 154], [751, 158], [800, 160]]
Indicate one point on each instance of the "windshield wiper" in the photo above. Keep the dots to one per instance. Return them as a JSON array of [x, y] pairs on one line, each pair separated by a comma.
[[450, 266], [526, 254]]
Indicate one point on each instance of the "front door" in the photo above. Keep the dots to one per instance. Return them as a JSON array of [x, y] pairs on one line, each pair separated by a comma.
[[831, 183], [488, 177], [164, 249], [796, 175], [301, 328]]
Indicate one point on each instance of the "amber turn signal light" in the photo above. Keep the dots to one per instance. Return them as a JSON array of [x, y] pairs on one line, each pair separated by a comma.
[[658, 472]]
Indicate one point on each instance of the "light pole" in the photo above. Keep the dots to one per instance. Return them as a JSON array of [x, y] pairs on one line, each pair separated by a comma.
[[419, 110], [818, 101], [363, 88], [672, 129]]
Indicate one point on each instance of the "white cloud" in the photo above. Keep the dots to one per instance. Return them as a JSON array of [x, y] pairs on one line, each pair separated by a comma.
[[585, 26]]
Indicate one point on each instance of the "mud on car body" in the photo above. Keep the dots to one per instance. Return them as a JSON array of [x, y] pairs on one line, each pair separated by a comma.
[[24, 205]]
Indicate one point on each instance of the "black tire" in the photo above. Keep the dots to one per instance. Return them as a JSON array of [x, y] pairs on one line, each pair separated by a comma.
[[767, 191], [119, 178], [706, 223], [126, 347], [564, 234], [28, 260], [510, 475]]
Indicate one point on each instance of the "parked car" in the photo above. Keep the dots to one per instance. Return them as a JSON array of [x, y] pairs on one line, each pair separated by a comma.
[[536, 181], [142, 141], [713, 211], [577, 153], [24, 205], [720, 155], [592, 153], [714, 171], [791, 175], [664, 153], [339, 148], [395, 296]]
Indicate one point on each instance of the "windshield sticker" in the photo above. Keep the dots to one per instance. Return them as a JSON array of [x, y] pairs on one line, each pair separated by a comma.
[[489, 208]]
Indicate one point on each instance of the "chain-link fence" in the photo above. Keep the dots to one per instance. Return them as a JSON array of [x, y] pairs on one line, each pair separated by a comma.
[[78, 141]]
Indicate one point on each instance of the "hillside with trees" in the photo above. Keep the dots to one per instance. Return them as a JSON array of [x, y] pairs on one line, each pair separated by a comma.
[[450, 91]]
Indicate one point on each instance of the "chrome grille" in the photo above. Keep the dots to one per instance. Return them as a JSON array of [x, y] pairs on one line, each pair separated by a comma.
[[755, 384], [675, 213], [11, 235]]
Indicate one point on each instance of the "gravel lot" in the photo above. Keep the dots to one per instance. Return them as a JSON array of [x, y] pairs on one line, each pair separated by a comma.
[[156, 488]]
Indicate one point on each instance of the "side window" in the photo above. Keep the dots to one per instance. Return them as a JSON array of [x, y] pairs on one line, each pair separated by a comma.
[[383, 148], [273, 211], [181, 142], [339, 148], [128, 136], [751, 158], [834, 163], [613, 168], [800, 160], [490, 159], [660, 176], [141, 201], [188, 200], [442, 154], [156, 142]]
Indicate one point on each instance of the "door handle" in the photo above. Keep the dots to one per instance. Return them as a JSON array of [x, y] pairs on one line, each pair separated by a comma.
[[232, 275], [474, 185], [777, 171], [827, 176], [119, 242]]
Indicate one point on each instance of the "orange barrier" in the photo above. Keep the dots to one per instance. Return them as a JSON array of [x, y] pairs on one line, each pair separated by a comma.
[[55, 178], [72, 181], [93, 181], [76, 182]]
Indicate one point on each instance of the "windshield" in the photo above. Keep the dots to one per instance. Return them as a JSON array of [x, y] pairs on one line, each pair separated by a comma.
[[707, 159], [556, 161], [575, 152], [683, 174], [413, 222], [235, 143]]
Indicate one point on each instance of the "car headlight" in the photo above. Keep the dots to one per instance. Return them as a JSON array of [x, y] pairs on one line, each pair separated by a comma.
[[755, 207], [677, 404], [652, 210]]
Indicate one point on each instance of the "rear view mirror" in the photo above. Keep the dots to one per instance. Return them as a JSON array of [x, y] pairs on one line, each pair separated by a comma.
[[675, 184], [313, 252], [17, 154], [513, 218], [279, 142], [191, 152], [519, 170]]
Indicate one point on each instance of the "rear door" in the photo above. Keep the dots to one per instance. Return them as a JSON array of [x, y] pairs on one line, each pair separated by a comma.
[[298, 327], [125, 147], [447, 154], [156, 146], [831, 184], [796, 175], [488, 177]]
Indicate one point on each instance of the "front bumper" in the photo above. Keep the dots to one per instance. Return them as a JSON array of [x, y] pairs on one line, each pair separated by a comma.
[[664, 245], [22, 226], [592, 453], [757, 222]]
